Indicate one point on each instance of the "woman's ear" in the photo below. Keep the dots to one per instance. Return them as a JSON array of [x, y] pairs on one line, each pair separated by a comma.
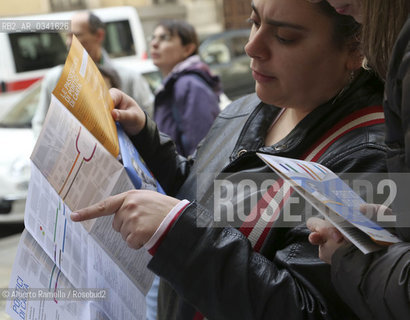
[[189, 49]]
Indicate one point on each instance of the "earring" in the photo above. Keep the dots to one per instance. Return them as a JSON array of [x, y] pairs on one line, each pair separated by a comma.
[[352, 76]]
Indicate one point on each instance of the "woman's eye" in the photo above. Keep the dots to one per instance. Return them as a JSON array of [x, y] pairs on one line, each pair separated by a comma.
[[253, 22], [285, 40]]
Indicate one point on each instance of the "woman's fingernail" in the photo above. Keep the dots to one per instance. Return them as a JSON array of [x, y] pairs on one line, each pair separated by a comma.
[[74, 216], [336, 236]]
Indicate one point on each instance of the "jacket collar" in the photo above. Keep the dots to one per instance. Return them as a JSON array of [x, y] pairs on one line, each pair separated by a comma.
[[255, 129]]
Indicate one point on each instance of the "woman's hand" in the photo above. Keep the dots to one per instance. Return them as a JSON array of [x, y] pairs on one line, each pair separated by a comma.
[[378, 213], [127, 112], [137, 214], [326, 236], [329, 239]]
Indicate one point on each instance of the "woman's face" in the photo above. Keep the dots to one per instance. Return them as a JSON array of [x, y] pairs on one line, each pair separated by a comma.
[[294, 59], [167, 50]]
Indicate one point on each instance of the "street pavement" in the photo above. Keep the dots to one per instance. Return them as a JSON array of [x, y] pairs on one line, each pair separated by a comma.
[[8, 249]]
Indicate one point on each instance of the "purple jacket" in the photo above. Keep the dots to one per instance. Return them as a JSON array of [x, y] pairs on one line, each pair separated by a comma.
[[194, 93]]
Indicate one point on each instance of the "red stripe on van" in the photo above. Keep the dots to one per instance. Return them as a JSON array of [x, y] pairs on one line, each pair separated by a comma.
[[20, 85]]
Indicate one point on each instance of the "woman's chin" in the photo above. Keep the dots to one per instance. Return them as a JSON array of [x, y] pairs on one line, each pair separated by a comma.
[[266, 95]]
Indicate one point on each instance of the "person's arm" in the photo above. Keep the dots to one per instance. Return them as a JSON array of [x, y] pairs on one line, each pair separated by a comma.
[[160, 152], [157, 150], [216, 269], [218, 272], [376, 285], [403, 88], [161, 156]]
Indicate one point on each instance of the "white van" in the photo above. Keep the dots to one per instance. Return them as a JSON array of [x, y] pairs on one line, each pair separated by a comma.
[[26, 57]]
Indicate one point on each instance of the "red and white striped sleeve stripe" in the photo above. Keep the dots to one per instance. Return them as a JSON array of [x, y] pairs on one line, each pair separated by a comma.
[[166, 224]]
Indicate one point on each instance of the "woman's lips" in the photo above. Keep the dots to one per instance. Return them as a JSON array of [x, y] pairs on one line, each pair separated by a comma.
[[261, 77]]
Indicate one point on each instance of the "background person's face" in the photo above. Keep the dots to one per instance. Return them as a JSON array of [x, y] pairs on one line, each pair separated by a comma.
[[294, 58], [91, 42], [166, 50], [348, 7]]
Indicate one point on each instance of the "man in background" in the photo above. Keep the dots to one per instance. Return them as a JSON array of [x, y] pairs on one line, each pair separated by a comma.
[[90, 31]]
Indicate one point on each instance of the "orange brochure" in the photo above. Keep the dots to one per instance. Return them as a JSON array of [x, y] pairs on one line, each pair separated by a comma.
[[83, 92]]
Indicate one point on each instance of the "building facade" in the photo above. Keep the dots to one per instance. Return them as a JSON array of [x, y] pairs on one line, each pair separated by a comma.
[[208, 16]]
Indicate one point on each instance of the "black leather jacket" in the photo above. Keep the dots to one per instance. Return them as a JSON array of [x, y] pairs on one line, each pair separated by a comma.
[[215, 269]]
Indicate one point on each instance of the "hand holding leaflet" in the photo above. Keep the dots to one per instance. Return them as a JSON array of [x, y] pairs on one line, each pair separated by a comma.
[[332, 198]]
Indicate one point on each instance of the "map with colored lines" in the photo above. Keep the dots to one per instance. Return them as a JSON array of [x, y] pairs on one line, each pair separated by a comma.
[[73, 166]]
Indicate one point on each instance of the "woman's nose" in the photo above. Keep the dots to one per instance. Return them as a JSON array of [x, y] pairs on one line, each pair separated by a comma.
[[154, 43], [255, 47]]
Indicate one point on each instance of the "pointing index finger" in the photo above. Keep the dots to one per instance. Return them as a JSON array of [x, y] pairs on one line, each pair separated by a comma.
[[103, 208]]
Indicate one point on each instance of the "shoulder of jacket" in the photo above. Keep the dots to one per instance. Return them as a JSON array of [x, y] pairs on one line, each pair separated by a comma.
[[184, 84], [241, 107], [51, 78], [360, 143], [54, 72], [126, 74], [182, 78]]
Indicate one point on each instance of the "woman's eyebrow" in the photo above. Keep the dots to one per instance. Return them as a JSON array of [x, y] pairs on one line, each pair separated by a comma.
[[282, 24]]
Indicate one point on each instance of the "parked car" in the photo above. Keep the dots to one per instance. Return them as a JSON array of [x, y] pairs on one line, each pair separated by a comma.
[[225, 55], [17, 141]]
